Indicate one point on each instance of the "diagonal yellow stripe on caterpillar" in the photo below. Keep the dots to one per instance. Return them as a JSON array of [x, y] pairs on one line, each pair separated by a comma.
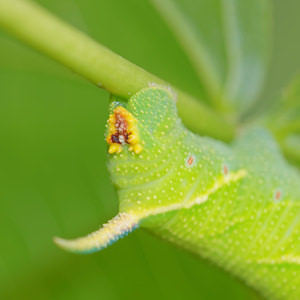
[[124, 223]]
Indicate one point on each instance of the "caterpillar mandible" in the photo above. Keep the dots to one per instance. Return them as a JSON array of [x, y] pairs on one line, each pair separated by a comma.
[[237, 206]]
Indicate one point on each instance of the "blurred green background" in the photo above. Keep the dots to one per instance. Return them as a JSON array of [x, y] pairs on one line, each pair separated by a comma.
[[53, 177]]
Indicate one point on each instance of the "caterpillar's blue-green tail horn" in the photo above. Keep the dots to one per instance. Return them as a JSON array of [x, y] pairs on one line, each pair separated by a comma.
[[115, 229]]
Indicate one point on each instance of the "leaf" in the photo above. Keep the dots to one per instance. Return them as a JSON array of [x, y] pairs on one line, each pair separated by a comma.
[[227, 41], [284, 121], [288, 109], [291, 146]]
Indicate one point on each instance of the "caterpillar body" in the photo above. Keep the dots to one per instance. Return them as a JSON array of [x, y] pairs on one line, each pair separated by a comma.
[[237, 206]]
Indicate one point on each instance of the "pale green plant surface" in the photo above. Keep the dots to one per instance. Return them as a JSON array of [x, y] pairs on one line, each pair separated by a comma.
[[228, 43]]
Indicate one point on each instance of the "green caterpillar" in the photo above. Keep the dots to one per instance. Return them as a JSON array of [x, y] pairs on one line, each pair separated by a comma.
[[237, 206]]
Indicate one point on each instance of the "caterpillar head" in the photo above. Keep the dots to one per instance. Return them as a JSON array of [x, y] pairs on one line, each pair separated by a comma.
[[142, 124], [140, 135]]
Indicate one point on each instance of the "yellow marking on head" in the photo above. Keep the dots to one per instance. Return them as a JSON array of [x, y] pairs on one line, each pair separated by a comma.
[[115, 148], [137, 148], [123, 130]]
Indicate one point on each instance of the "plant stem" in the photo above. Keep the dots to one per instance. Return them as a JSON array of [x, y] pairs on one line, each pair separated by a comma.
[[41, 30]]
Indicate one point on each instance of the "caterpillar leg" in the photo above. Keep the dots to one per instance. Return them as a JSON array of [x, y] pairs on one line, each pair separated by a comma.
[[115, 229]]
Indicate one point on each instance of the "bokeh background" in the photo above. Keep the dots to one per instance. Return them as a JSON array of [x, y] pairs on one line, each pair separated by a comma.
[[53, 177]]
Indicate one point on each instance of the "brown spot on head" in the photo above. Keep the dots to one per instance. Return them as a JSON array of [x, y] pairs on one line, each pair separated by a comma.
[[121, 123], [115, 138], [122, 131]]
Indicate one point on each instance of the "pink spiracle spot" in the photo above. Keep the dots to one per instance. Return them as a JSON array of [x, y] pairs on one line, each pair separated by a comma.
[[277, 194], [190, 160], [225, 169]]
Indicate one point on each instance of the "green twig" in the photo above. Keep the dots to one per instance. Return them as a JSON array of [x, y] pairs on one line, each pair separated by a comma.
[[41, 30]]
